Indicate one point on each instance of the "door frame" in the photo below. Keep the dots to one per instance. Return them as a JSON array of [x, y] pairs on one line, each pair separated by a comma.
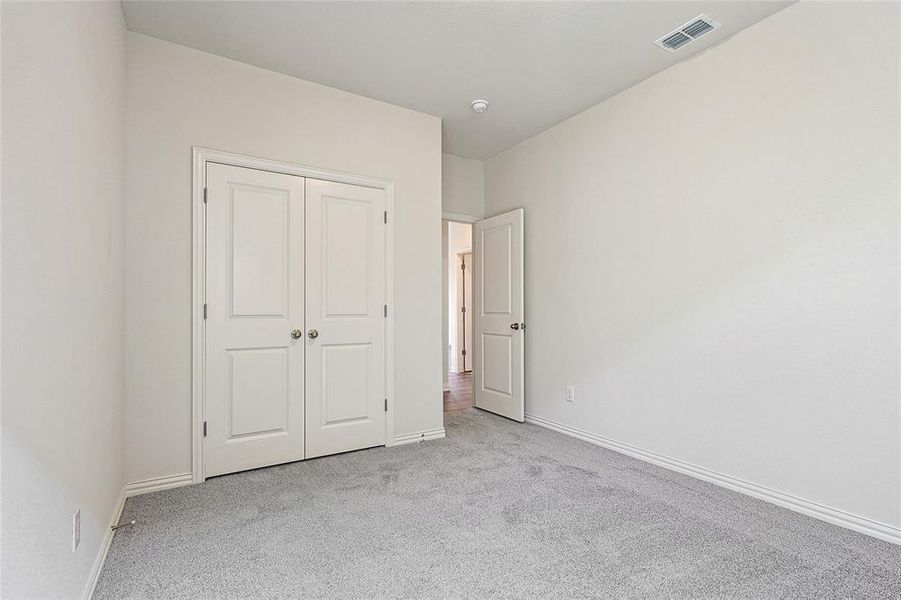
[[445, 292], [201, 157], [460, 300], [459, 217]]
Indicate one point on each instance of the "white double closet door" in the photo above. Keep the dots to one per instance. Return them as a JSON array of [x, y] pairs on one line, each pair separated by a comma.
[[295, 318]]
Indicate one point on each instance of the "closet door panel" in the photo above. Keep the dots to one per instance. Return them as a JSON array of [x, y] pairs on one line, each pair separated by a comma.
[[345, 316], [255, 300]]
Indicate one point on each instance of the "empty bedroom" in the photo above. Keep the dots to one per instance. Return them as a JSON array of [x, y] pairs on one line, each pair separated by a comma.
[[447, 299]]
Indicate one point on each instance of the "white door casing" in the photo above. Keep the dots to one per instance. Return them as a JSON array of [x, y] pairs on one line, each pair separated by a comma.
[[463, 346], [346, 308], [468, 318], [254, 378], [498, 308], [201, 398]]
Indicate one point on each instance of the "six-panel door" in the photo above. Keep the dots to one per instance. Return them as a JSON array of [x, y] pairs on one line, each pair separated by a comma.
[[255, 298]]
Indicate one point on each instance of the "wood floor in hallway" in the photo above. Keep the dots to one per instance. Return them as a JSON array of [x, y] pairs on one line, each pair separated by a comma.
[[460, 395]]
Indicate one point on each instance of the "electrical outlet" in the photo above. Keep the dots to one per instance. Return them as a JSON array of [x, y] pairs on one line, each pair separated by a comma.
[[570, 393], [76, 529]]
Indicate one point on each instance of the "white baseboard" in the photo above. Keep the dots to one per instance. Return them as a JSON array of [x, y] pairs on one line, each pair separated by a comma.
[[97, 567], [412, 438], [876, 529], [157, 484], [128, 490]]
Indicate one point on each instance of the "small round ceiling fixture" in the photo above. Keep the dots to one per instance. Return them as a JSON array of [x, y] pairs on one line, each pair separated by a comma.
[[479, 105]]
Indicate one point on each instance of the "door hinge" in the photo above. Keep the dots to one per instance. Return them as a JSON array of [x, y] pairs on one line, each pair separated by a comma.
[[204, 195], [385, 215], [386, 405], [386, 311], [462, 266], [204, 310], [464, 351], [204, 429], [462, 309]]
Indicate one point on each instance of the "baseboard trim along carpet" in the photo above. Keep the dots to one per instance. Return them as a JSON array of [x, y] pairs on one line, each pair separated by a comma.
[[97, 567], [421, 436], [157, 484], [876, 529]]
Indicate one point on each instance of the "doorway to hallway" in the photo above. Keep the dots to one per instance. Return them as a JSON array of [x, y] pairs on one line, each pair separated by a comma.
[[459, 395]]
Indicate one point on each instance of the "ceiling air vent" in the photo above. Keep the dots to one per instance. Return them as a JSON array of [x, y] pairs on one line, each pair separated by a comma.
[[688, 33]]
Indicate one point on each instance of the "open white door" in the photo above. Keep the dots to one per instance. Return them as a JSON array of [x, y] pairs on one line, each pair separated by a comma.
[[498, 305]]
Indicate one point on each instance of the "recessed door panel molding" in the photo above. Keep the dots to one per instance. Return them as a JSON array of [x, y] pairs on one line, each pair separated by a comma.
[[256, 409], [258, 252], [345, 314], [255, 298], [497, 254], [346, 255], [346, 399], [496, 355], [499, 311]]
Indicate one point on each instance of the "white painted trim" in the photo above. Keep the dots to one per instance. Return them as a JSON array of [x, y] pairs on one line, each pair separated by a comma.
[[459, 293], [202, 156], [459, 217], [390, 298], [157, 484], [876, 529], [263, 164], [422, 436], [97, 567], [198, 335]]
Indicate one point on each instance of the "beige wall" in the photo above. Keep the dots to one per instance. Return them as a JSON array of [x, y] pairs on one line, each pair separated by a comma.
[[63, 122], [179, 98], [462, 193], [463, 187], [713, 259]]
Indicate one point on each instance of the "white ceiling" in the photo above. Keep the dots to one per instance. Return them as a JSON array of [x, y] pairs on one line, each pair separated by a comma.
[[537, 63]]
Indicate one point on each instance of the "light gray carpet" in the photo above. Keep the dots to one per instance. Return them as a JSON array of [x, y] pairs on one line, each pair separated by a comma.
[[496, 510]]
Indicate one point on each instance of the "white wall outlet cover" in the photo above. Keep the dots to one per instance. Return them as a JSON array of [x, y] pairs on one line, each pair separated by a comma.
[[570, 393], [76, 529]]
